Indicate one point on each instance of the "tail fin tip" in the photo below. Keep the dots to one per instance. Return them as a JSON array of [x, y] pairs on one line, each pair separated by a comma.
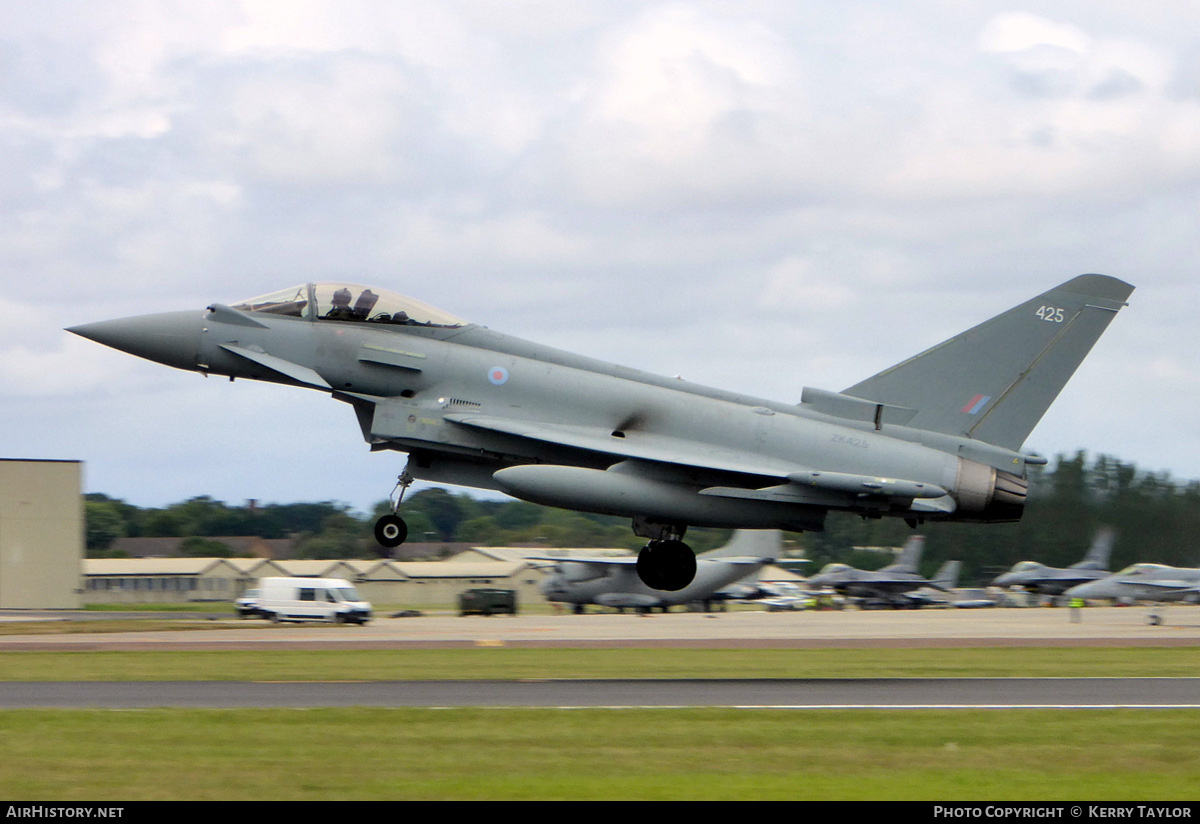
[[977, 384]]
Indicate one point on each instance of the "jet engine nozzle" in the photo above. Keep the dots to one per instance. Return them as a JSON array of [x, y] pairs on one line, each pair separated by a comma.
[[989, 495]]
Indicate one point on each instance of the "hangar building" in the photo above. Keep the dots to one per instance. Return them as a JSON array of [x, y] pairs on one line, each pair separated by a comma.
[[41, 534]]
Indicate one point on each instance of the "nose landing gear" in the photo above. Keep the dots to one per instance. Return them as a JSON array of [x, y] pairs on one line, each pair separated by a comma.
[[390, 530]]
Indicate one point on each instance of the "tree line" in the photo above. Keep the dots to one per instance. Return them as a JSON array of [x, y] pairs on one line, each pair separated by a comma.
[[1156, 519], [332, 530]]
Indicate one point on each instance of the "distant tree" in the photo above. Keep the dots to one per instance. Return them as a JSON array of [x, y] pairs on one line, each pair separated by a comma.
[[517, 515], [483, 531], [444, 510], [104, 525], [196, 547], [341, 536], [1155, 517]]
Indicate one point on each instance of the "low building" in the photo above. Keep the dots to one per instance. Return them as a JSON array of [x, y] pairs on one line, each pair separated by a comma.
[[162, 580], [245, 546], [422, 584], [409, 584]]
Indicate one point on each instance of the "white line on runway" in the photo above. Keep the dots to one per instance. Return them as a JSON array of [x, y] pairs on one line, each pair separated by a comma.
[[838, 707]]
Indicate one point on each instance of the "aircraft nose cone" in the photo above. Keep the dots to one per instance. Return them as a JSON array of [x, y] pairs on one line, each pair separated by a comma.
[[172, 338], [1085, 591]]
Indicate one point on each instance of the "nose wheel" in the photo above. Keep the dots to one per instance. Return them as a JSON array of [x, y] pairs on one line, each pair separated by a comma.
[[390, 530]]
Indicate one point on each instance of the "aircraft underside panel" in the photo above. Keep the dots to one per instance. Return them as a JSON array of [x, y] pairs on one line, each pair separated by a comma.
[[649, 446], [619, 493]]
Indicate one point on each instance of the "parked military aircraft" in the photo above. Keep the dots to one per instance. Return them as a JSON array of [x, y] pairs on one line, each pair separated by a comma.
[[937, 594], [1143, 582], [936, 437], [1047, 580], [887, 586], [614, 582]]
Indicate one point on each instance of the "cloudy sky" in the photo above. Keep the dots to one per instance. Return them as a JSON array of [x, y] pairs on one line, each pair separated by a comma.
[[755, 195]]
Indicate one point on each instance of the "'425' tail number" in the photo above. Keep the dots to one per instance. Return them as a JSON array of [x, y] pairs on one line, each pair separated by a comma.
[[1050, 314]]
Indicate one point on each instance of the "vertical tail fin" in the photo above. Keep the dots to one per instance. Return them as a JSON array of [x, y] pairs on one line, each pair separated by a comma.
[[910, 555], [1100, 550], [755, 543], [946, 578], [995, 381]]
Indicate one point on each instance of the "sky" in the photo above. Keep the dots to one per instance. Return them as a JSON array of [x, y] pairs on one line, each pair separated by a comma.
[[758, 196]]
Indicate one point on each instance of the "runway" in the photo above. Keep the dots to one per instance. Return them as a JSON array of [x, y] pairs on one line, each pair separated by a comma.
[[1097, 626], [900, 693], [743, 630]]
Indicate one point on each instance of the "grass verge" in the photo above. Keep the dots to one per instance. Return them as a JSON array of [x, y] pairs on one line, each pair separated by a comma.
[[599, 754], [524, 663]]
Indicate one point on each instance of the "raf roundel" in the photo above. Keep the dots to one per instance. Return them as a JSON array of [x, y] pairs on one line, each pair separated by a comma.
[[498, 375]]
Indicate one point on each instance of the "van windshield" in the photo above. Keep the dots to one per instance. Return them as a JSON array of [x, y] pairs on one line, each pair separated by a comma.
[[345, 594]]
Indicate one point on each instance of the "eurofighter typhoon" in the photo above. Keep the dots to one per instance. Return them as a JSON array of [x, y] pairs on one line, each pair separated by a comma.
[[937, 437]]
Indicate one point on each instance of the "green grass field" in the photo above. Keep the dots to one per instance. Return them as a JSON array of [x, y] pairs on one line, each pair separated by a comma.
[[371, 753], [523, 663], [598, 754]]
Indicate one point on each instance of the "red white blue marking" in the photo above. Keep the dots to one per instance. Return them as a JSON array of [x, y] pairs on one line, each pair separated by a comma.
[[498, 375], [976, 404]]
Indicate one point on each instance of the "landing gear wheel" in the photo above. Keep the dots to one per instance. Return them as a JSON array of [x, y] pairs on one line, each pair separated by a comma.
[[390, 531], [647, 566], [667, 565]]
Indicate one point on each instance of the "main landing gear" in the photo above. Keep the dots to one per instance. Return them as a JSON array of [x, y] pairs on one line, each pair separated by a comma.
[[390, 530], [668, 565], [666, 562]]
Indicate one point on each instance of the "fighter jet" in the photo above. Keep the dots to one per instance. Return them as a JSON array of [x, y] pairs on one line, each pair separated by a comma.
[[1046, 580], [614, 582], [936, 437], [1143, 582], [887, 586]]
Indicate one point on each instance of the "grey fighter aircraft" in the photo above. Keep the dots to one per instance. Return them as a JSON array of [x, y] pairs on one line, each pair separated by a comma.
[[936, 437], [1157, 583], [1143, 582], [614, 582], [1046, 580], [888, 585]]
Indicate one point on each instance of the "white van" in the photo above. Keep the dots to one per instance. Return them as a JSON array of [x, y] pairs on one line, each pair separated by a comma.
[[311, 599]]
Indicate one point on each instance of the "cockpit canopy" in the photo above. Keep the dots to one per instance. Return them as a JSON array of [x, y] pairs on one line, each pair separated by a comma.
[[349, 302], [1142, 569]]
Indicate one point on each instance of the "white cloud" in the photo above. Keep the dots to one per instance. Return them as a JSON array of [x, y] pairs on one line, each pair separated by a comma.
[[1021, 32], [688, 105], [803, 287], [330, 122]]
